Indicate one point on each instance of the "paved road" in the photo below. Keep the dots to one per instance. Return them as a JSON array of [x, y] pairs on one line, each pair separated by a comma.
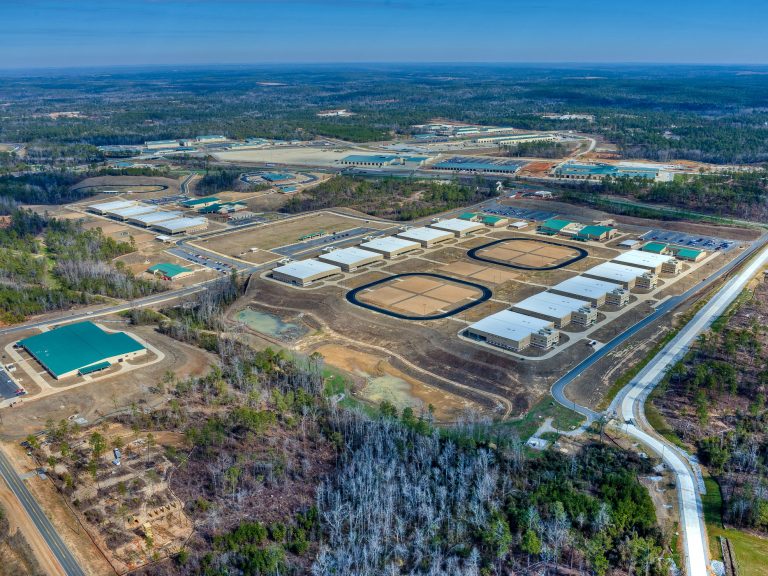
[[38, 517]]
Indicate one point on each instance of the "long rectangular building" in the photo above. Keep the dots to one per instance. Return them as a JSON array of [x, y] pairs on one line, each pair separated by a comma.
[[181, 225], [513, 331], [105, 207], [304, 272], [594, 291], [457, 226], [427, 237], [621, 274], [125, 213], [153, 218], [390, 246], [561, 310], [80, 348], [648, 261], [350, 259]]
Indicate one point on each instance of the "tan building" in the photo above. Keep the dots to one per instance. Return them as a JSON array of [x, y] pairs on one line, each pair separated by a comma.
[[304, 272], [647, 281], [617, 297], [427, 237], [457, 226], [390, 246], [350, 259], [512, 331]]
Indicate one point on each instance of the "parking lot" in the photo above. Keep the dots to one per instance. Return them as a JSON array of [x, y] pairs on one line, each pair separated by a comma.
[[7, 386], [709, 243], [519, 213], [166, 200], [208, 262], [326, 240]]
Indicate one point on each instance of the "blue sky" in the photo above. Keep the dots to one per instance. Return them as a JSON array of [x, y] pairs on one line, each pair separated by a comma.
[[74, 33]]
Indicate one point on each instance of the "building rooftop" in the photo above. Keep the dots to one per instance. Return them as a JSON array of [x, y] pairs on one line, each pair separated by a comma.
[[689, 253], [629, 243], [132, 211], [492, 219], [370, 158], [654, 247], [349, 256], [640, 258], [468, 215], [511, 325], [306, 268], [463, 164], [589, 288], [615, 272], [153, 217], [555, 224], [389, 244], [198, 201], [75, 346], [455, 225], [551, 304], [595, 230], [182, 223], [277, 176], [168, 269], [424, 234], [114, 205]]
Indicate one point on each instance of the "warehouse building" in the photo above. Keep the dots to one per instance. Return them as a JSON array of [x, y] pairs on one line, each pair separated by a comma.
[[561, 310], [350, 259], [211, 138], [126, 213], [427, 237], [197, 203], [656, 248], [515, 139], [105, 207], [596, 292], [150, 218], [375, 160], [470, 216], [169, 271], [160, 144], [304, 272], [649, 261], [596, 233], [688, 254], [390, 246], [626, 276], [519, 225], [513, 331], [81, 348], [458, 227], [470, 164], [494, 221], [557, 227], [181, 225]]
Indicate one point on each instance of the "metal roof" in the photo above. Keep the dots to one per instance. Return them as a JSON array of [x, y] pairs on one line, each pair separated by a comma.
[[595, 230], [306, 268], [197, 201], [114, 205], [370, 159], [640, 258], [390, 244], [689, 253], [614, 271], [551, 304], [424, 234], [168, 269], [456, 225], [181, 223], [349, 256], [589, 288], [75, 346], [153, 217], [510, 325], [555, 224], [654, 247], [131, 211]]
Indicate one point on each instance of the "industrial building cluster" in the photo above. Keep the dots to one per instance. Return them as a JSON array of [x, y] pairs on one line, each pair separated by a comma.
[[148, 216]]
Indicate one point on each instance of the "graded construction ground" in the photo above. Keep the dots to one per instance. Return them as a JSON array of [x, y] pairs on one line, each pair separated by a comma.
[[281, 233], [419, 296]]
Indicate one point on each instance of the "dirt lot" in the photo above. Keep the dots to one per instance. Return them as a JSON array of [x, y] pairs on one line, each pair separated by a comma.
[[419, 296], [142, 187], [281, 233]]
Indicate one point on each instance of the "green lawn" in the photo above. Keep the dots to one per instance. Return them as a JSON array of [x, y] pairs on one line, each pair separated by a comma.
[[563, 418], [751, 550]]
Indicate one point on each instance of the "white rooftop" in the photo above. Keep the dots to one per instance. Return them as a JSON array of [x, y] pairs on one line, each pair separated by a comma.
[[389, 244], [349, 256], [306, 268], [456, 225], [629, 243], [132, 211], [615, 272], [551, 304], [181, 223], [424, 234], [587, 287], [153, 217], [519, 224], [640, 258], [511, 325], [114, 205]]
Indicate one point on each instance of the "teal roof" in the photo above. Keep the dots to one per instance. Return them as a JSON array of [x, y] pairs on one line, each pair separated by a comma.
[[198, 201], [555, 224], [655, 247], [594, 231], [468, 216], [77, 346], [492, 219], [168, 269], [94, 368], [688, 253]]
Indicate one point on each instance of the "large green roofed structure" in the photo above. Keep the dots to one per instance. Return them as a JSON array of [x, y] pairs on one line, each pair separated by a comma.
[[76, 348], [168, 270], [595, 232], [555, 224], [655, 247]]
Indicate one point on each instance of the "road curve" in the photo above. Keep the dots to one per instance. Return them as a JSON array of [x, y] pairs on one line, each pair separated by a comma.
[[63, 555]]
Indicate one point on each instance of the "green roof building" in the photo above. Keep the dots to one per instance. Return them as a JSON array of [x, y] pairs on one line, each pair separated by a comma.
[[655, 247], [494, 221], [80, 348], [553, 226], [594, 232], [169, 271], [690, 254], [200, 202], [471, 216]]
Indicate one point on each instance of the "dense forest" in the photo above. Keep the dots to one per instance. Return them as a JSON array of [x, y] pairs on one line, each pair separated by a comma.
[[715, 114], [48, 264], [537, 150], [221, 180], [393, 198], [715, 400]]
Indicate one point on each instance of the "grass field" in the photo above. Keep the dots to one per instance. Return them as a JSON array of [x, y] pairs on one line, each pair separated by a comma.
[[750, 550]]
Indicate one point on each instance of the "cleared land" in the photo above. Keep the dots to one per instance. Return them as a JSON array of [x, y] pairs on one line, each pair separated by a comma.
[[530, 253], [419, 295]]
